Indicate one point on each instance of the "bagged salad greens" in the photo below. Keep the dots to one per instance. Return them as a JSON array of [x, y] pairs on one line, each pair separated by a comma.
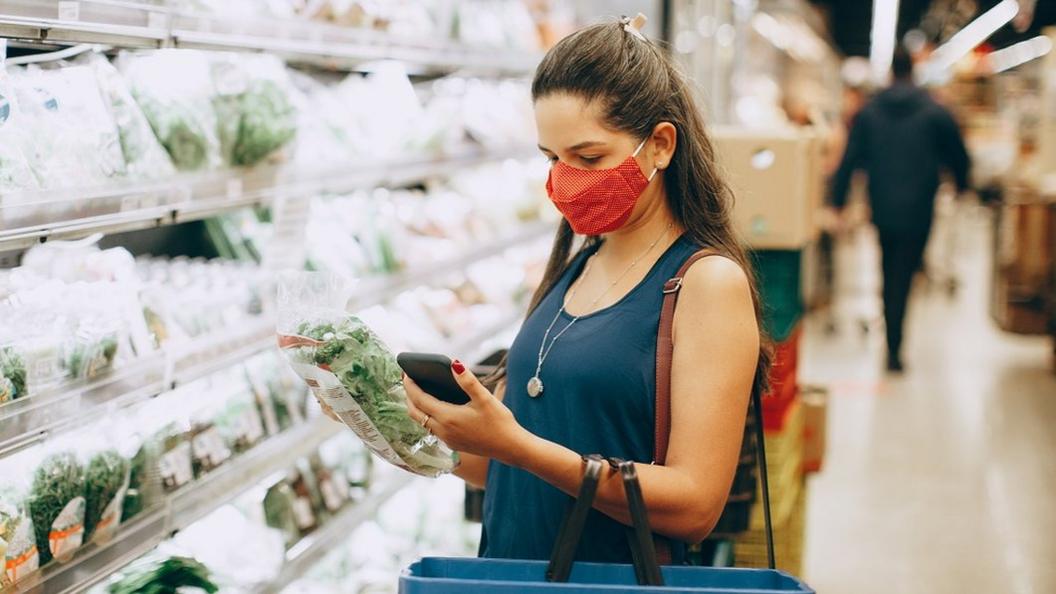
[[18, 545], [56, 506], [254, 112], [12, 374], [352, 371], [106, 481], [145, 158], [174, 89]]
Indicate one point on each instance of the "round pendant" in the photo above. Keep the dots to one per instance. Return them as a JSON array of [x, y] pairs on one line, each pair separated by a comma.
[[535, 387]]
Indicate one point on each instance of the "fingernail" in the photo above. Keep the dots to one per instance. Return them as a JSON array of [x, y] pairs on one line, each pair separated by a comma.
[[458, 367]]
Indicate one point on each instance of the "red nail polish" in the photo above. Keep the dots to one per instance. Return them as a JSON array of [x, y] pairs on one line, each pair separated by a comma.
[[458, 367]]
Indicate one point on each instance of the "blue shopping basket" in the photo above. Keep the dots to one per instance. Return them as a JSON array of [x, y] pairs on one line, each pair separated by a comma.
[[440, 575]]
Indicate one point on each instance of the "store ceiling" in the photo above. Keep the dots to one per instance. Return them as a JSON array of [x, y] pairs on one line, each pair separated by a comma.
[[851, 20]]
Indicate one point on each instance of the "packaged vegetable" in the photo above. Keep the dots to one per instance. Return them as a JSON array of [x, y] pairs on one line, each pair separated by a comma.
[[175, 462], [279, 503], [56, 506], [12, 374], [105, 484], [254, 112], [74, 141], [18, 545], [145, 158], [15, 171], [174, 88], [349, 369]]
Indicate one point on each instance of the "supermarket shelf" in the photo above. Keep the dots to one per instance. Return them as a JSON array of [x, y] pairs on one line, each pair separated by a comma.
[[95, 563], [144, 24], [388, 286], [28, 421], [312, 548], [31, 217]]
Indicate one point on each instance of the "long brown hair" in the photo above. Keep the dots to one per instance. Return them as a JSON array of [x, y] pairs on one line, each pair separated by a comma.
[[639, 87]]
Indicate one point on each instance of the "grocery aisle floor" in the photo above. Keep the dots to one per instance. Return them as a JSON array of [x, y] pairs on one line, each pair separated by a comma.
[[944, 479]]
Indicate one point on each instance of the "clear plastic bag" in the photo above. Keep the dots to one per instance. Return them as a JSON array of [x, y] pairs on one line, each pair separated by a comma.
[[352, 371], [75, 141], [174, 88], [145, 158], [15, 172], [19, 558], [254, 111]]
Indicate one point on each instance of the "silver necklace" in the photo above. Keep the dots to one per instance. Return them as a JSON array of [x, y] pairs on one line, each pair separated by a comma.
[[535, 385]]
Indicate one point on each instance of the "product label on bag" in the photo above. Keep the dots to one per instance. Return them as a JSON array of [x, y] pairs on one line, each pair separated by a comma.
[[21, 558], [106, 528], [332, 498], [67, 531], [328, 389], [302, 513], [175, 466], [209, 448]]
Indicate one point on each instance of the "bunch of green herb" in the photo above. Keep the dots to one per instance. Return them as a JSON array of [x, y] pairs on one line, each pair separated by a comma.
[[368, 371], [104, 478], [267, 122], [12, 375], [57, 481], [166, 577]]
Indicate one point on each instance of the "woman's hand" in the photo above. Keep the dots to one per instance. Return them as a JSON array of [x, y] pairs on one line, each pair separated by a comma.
[[483, 427]]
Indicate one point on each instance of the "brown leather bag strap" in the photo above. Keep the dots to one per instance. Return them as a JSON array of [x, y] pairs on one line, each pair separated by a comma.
[[665, 349]]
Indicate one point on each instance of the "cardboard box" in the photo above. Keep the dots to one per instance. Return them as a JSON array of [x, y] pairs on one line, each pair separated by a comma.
[[777, 182], [815, 417]]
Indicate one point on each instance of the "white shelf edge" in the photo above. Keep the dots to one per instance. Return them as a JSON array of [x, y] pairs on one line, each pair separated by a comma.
[[196, 360], [189, 197], [335, 46]]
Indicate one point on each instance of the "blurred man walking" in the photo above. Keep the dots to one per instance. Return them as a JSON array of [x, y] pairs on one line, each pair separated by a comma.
[[903, 139]]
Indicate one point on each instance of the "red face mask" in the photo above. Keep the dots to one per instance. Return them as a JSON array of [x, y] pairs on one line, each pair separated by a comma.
[[596, 201]]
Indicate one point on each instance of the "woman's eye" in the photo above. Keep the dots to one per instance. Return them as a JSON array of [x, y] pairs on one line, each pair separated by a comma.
[[551, 158], [586, 159]]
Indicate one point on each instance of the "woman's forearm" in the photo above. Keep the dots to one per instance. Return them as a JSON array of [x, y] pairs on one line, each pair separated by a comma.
[[678, 507], [473, 469]]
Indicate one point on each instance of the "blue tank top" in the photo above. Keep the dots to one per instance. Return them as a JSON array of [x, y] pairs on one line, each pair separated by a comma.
[[599, 398]]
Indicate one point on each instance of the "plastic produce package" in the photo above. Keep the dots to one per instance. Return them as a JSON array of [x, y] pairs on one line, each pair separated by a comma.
[[352, 371], [75, 141], [145, 158], [175, 89], [254, 112], [18, 544]]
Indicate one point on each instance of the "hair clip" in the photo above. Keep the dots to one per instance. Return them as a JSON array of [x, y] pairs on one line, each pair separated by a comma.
[[634, 26]]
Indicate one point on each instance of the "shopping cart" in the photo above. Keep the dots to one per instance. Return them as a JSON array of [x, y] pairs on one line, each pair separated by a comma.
[[497, 576]]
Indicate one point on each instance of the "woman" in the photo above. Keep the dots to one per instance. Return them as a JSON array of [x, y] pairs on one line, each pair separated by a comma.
[[633, 171]]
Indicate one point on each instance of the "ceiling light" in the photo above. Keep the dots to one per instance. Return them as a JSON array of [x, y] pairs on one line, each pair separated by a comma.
[[1020, 53], [972, 35], [882, 38]]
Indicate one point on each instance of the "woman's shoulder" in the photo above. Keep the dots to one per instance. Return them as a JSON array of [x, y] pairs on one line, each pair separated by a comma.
[[716, 278]]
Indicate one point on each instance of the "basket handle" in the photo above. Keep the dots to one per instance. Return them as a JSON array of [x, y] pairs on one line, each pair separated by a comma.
[[639, 535]]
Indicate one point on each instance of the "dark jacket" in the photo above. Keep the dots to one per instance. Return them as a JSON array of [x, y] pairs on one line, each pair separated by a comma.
[[903, 139]]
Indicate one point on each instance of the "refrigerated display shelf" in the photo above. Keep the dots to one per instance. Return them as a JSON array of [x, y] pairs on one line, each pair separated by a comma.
[[194, 501], [29, 420], [185, 506], [145, 24], [27, 218]]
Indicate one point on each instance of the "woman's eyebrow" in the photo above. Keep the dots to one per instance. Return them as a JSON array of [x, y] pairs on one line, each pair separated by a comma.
[[577, 147]]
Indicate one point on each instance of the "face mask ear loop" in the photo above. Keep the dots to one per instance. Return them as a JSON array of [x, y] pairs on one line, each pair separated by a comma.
[[639, 149], [653, 174]]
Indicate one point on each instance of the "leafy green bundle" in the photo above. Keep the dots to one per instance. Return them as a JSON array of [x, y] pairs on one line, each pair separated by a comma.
[[166, 577], [368, 372], [104, 478], [12, 375], [57, 481]]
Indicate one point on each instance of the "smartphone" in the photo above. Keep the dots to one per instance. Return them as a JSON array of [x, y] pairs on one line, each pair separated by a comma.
[[433, 374]]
